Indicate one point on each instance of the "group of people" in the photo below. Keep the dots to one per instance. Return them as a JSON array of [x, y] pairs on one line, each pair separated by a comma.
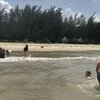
[[88, 74], [5, 53]]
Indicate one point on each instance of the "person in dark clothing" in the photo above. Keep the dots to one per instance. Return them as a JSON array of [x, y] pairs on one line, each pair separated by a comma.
[[88, 74], [2, 53], [98, 72], [25, 51]]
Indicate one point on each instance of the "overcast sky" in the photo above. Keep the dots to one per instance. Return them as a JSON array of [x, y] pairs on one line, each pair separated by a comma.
[[86, 7]]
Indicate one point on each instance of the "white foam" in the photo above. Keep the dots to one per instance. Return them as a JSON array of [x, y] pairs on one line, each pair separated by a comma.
[[88, 85], [16, 59]]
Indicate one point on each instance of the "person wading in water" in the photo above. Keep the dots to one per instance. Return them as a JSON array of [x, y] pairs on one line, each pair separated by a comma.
[[25, 51]]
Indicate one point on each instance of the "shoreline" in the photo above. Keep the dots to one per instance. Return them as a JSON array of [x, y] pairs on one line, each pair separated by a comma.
[[50, 47]]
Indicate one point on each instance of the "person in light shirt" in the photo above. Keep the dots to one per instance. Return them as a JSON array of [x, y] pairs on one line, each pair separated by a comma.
[[9, 53], [98, 72]]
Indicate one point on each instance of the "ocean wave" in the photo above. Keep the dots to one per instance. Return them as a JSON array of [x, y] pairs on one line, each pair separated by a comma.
[[16, 59]]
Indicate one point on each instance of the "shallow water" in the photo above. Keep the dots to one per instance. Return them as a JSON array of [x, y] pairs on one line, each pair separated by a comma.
[[49, 76]]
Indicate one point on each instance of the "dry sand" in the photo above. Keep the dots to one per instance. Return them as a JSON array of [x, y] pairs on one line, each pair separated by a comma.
[[49, 47]]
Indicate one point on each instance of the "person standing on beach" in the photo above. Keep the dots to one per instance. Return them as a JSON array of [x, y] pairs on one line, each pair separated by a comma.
[[98, 72], [25, 51]]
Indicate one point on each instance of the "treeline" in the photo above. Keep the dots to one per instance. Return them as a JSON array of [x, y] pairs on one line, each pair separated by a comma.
[[31, 24]]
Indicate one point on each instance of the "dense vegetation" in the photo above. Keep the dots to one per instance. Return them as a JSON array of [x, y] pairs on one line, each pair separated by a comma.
[[31, 24]]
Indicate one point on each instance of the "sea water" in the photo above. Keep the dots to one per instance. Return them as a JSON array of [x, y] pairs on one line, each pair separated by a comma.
[[51, 76]]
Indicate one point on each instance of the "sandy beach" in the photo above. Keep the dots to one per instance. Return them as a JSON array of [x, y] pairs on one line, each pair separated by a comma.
[[46, 75], [49, 47]]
